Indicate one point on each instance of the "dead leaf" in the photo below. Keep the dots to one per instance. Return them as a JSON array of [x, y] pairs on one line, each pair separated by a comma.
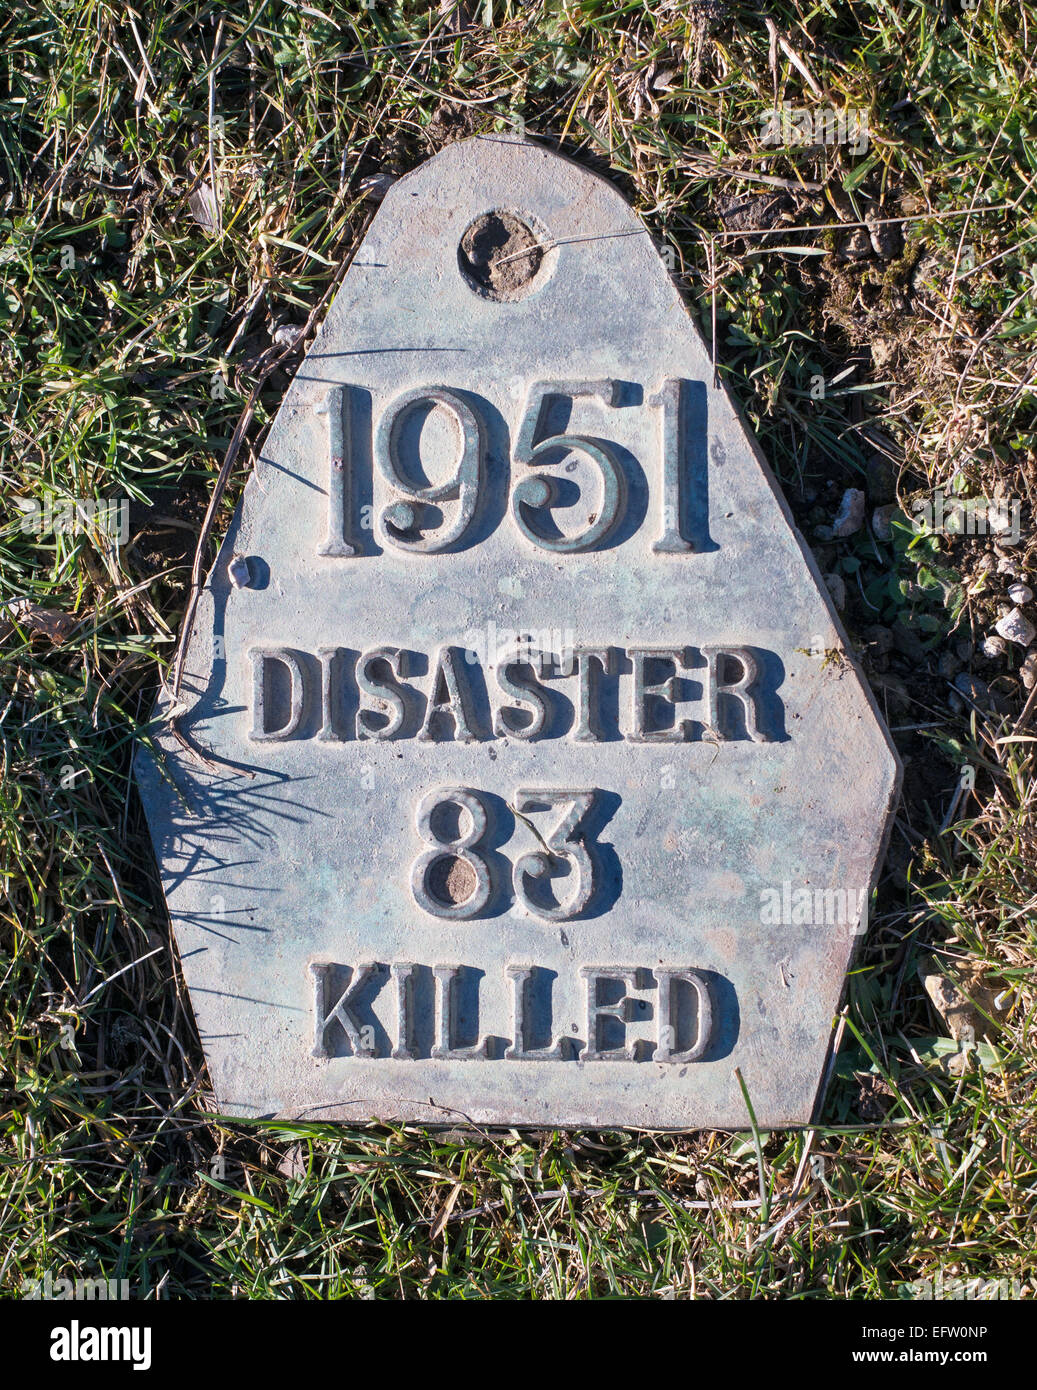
[[40, 622], [444, 1215], [293, 1163], [204, 208]]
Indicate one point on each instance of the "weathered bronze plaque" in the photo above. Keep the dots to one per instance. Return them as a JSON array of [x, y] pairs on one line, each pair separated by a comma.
[[531, 794]]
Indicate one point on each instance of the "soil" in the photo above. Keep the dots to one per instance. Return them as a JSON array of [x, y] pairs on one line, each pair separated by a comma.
[[451, 880], [164, 535], [751, 212], [500, 255]]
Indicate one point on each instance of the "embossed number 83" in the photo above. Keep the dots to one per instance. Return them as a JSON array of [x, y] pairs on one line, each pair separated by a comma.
[[457, 896]]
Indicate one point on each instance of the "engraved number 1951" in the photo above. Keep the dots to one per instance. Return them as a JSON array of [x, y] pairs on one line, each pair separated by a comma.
[[436, 517]]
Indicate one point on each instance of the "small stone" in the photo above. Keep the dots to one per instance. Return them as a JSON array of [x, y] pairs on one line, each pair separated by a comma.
[[882, 349], [850, 517], [884, 237], [972, 688], [288, 334], [1016, 627], [882, 483], [837, 588], [960, 1015], [856, 246], [46, 622], [948, 665], [881, 519], [239, 572], [376, 186], [292, 1163], [992, 647], [1020, 593], [908, 643], [1007, 566], [963, 649], [1028, 670], [879, 638]]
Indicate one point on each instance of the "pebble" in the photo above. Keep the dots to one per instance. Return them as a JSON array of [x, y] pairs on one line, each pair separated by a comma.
[[895, 691], [837, 588], [240, 572], [1020, 593], [884, 238], [999, 519], [882, 483], [376, 186], [972, 688], [908, 643], [882, 349], [288, 334], [948, 665], [856, 247], [1028, 670], [1016, 627], [881, 518], [850, 517], [993, 646], [880, 639]]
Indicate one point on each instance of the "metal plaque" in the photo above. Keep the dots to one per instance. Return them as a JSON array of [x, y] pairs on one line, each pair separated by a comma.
[[524, 775]]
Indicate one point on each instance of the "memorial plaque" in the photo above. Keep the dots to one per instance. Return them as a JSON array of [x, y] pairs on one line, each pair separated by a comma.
[[536, 786]]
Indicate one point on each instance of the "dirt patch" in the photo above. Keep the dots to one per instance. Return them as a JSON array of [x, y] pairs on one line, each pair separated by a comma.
[[500, 256], [874, 1097], [450, 123], [752, 212], [164, 535], [451, 880]]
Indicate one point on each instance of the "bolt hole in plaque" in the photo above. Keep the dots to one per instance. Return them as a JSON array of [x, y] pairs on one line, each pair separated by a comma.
[[502, 257], [451, 881]]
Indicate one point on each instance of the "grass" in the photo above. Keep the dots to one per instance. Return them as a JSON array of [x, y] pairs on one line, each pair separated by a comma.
[[178, 185]]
